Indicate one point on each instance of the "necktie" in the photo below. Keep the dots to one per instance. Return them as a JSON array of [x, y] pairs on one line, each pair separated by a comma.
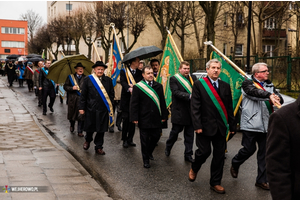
[[150, 84], [133, 72], [100, 78], [79, 77], [215, 86]]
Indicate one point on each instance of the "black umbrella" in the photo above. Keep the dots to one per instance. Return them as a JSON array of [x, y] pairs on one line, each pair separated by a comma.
[[33, 55], [12, 56], [36, 59], [142, 53]]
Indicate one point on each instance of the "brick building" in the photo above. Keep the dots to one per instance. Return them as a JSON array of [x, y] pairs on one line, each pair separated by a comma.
[[13, 37]]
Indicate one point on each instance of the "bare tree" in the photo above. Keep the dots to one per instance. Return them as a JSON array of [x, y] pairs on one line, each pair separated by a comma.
[[34, 21], [164, 14], [76, 24]]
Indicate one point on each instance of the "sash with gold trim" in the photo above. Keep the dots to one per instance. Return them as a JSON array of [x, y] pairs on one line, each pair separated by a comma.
[[100, 88], [150, 92], [129, 77], [184, 82], [216, 99], [269, 102], [74, 83]]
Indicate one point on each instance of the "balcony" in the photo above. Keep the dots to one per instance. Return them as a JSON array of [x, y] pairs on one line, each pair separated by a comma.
[[272, 34]]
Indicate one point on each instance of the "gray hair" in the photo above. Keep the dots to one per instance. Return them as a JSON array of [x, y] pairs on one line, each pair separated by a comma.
[[213, 61], [256, 67]]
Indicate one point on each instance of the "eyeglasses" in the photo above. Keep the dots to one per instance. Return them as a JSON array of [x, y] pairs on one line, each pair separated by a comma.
[[263, 71]]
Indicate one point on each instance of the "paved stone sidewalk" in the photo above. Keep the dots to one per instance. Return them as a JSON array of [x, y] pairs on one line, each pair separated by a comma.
[[30, 157]]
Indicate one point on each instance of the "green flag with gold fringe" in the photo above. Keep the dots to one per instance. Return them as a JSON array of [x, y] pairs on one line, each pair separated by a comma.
[[169, 66], [233, 78]]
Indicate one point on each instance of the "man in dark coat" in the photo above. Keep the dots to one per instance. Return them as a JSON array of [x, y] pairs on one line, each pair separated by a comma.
[[181, 87], [97, 93], [212, 112], [282, 156], [148, 110], [73, 87], [128, 128], [47, 86], [10, 70]]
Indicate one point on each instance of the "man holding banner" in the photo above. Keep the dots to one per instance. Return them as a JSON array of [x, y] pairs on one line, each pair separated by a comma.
[[212, 117], [148, 110], [259, 96], [181, 86], [96, 103]]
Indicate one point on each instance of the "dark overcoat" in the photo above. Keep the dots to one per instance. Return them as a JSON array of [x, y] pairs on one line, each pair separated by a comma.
[[283, 152], [96, 113], [125, 95], [73, 97], [205, 115], [10, 70], [145, 111], [181, 108]]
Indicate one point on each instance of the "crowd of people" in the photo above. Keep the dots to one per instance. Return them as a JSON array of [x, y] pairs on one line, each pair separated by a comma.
[[200, 108]]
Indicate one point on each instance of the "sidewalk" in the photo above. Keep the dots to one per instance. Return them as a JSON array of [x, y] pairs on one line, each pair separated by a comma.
[[29, 157]]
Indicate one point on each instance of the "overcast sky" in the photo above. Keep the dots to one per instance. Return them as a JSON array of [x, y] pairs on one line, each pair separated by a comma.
[[13, 9]]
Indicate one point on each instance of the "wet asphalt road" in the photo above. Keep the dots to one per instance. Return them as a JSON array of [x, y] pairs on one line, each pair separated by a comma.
[[121, 171]]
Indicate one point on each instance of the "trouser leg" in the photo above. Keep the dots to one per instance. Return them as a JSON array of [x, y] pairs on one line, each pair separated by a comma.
[[80, 126], [203, 151], [72, 123], [217, 163], [261, 162], [125, 117], [52, 96], [144, 138], [154, 136], [99, 140], [89, 136], [45, 95], [188, 140], [176, 129], [40, 97], [249, 147], [131, 131]]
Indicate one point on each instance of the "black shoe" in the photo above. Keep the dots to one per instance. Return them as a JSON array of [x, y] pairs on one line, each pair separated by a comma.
[[119, 128], [111, 129], [264, 186], [189, 159], [146, 164], [167, 152], [125, 144], [151, 157], [44, 113], [131, 144], [51, 109], [234, 173]]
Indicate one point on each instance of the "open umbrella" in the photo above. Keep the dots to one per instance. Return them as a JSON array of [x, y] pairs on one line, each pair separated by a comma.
[[12, 56], [142, 53], [33, 55], [60, 70], [35, 59]]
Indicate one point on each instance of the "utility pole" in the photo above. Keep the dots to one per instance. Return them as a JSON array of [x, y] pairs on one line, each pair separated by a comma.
[[249, 37]]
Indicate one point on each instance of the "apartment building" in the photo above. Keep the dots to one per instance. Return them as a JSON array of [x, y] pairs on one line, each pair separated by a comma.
[[13, 37]]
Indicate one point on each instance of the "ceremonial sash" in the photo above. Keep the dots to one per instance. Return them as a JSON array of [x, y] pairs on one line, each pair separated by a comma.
[[29, 69], [216, 99], [184, 82], [74, 83], [129, 77], [101, 90], [269, 102], [150, 92], [46, 72], [37, 71]]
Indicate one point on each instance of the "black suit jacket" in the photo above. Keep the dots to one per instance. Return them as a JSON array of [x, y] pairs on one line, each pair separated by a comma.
[[96, 113], [144, 110], [125, 95], [181, 108], [205, 115], [282, 152]]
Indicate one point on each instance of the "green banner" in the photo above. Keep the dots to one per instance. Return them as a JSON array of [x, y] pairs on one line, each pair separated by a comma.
[[233, 78], [169, 66]]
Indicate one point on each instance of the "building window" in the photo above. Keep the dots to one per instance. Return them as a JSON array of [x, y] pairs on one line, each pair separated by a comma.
[[225, 49], [268, 50], [12, 30], [99, 43], [122, 46], [239, 50], [270, 23], [12, 44], [225, 19], [69, 7], [54, 10]]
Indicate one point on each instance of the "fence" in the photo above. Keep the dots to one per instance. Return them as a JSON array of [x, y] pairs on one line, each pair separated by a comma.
[[284, 70]]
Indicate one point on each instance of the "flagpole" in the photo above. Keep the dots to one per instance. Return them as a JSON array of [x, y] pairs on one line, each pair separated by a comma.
[[232, 64], [174, 44], [113, 26], [50, 53], [96, 51], [62, 53]]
